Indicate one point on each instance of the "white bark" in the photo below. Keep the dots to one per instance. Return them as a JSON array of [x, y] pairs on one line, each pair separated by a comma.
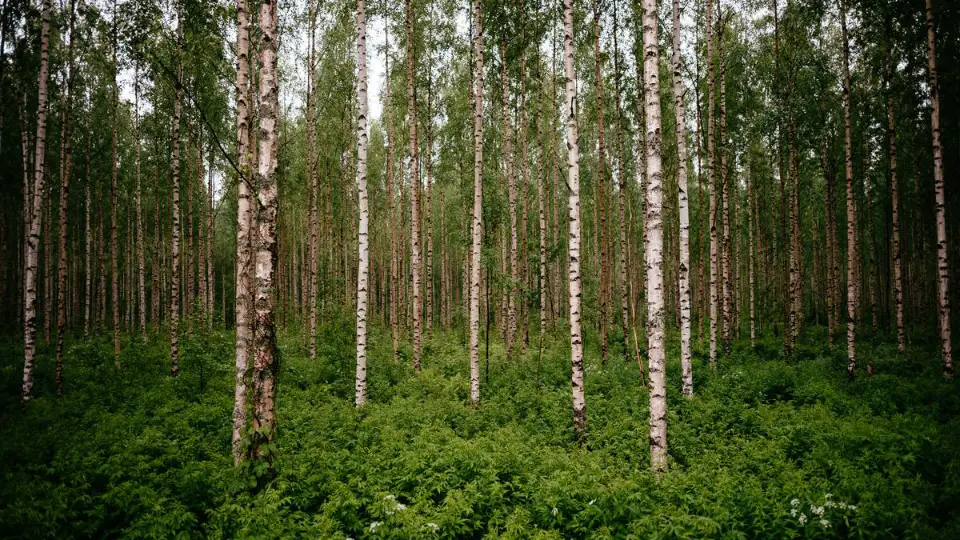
[[684, 270], [654, 250], [477, 226], [851, 209], [33, 237], [943, 275], [573, 185], [362, 240]]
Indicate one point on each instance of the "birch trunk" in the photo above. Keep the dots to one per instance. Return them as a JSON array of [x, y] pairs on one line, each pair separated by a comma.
[[601, 185], [394, 266], [621, 196], [851, 210], [654, 250], [477, 224], [684, 218], [244, 268], [33, 236], [264, 336], [175, 235], [115, 171], [508, 161], [895, 204], [141, 264], [414, 191], [362, 240], [943, 276], [65, 163], [573, 185], [711, 187]]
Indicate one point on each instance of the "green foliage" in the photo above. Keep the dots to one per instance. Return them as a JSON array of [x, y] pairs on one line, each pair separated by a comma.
[[766, 449]]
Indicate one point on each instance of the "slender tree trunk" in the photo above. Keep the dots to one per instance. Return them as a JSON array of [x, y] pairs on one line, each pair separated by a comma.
[[87, 254], [363, 243], [573, 185], [795, 280], [33, 236], [851, 209], [656, 349], [477, 225], [895, 204], [751, 260], [601, 185], [394, 266], [684, 269], [711, 187], [175, 235], [264, 334], [414, 191], [141, 264], [65, 162], [244, 267], [115, 167], [621, 196], [943, 276], [508, 162]]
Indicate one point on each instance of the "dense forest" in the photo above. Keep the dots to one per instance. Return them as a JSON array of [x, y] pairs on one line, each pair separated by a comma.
[[479, 269]]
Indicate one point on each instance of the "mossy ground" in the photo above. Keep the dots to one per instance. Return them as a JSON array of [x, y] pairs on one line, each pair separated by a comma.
[[768, 448]]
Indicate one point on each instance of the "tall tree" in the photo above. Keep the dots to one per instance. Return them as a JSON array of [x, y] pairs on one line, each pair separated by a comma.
[[33, 237], [363, 244], [263, 423], [656, 340], [115, 172], [943, 258], [711, 185], [244, 267], [175, 235], [477, 223], [414, 190], [65, 162], [573, 186], [851, 209], [895, 205], [684, 217]]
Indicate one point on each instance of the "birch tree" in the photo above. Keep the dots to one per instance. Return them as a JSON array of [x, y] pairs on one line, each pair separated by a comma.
[[477, 224], [684, 270], [363, 244], [573, 186], [33, 238], [943, 259], [654, 250]]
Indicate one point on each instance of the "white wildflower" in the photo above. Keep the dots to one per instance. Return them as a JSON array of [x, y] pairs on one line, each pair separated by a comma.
[[818, 510], [591, 502], [374, 525], [401, 506], [803, 519], [554, 511], [851, 507], [795, 502], [793, 512], [828, 495], [825, 524], [433, 526]]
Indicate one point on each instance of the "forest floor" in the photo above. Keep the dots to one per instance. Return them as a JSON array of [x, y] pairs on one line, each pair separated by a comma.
[[768, 448]]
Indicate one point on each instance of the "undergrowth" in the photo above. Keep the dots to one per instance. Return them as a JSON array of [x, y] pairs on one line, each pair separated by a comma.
[[768, 448]]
